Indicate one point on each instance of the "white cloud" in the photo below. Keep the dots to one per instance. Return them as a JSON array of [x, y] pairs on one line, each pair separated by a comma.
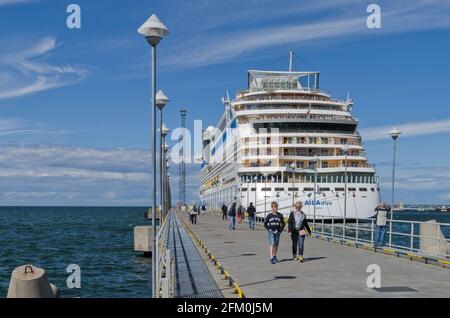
[[408, 130], [60, 175], [207, 48], [14, 2], [26, 72]]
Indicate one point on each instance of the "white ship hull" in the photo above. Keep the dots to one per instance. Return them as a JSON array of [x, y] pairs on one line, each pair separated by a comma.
[[328, 204]]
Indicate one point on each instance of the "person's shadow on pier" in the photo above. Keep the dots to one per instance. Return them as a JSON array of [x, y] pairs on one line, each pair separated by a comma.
[[307, 259]]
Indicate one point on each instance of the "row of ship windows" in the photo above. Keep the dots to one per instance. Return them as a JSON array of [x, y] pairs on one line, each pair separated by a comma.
[[304, 140], [312, 189]]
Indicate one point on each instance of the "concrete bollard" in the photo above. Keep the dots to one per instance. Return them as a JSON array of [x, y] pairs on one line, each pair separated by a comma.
[[143, 240], [31, 282], [148, 214], [432, 240]]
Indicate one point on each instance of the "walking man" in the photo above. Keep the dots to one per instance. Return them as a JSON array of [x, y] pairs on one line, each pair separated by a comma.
[[232, 217], [382, 217], [297, 228], [224, 212], [251, 212], [274, 224], [194, 213]]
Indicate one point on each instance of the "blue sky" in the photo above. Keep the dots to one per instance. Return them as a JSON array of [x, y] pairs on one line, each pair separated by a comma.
[[75, 104]]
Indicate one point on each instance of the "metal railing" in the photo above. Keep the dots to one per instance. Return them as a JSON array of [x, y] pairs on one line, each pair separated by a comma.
[[165, 270], [403, 236]]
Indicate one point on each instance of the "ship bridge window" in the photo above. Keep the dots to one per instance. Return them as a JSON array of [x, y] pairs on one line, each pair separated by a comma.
[[339, 190], [253, 189], [266, 189], [244, 189], [363, 189], [308, 189], [279, 189], [372, 189], [352, 189], [324, 189], [293, 189]]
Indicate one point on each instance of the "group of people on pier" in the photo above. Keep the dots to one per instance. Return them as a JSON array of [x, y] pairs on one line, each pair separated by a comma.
[[297, 226]]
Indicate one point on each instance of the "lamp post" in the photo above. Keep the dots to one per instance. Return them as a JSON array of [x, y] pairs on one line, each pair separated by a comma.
[[265, 191], [166, 184], [345, 150], [395, 133], [255, 178], [153, 30], [165, 149], [315, 161], [248, 190], [161, 102], [292, 167], [169, 196]]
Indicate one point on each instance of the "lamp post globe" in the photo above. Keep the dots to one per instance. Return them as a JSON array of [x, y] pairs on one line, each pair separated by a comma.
[[165, 131], [161, 100], [153, 30], [395, 133]]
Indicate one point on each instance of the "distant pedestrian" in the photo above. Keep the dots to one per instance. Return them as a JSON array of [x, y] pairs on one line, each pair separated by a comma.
[[224, 211], [240, 214], [194, 214], [298, 227], [274, 224], [251, 212], [232, 217], [382, 217]]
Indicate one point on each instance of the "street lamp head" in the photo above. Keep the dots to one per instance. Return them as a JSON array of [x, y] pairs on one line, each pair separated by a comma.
[[165, 131], [345, 149], [395, 133], [153, 30], [161, 100], [166, 148]]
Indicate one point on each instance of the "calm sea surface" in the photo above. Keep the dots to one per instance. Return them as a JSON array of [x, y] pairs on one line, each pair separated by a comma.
[[100, 241]]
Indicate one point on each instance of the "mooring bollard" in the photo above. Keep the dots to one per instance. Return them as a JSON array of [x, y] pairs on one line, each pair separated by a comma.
[[31, 282]]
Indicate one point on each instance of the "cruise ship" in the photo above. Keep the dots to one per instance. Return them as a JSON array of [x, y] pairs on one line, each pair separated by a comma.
[[285, 139]]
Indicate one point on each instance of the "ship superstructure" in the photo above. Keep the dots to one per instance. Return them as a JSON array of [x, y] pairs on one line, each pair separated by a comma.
[[284, 139]]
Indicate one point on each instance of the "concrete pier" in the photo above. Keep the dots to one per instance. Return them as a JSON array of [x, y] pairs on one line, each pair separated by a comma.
[[330, 270]]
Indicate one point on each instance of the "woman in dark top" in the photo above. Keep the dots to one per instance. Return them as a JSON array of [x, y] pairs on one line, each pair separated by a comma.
[[298, 227]]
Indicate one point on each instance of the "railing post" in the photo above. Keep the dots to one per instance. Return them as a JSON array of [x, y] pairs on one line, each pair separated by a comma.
[[323, 224], [372, 232], [439, 240], [357, 230], [156, 254], [390, 233], [332, 226], [411, 248]]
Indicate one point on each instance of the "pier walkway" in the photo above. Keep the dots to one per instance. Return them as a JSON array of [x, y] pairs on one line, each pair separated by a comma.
[[330, 270], [193, 279]]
